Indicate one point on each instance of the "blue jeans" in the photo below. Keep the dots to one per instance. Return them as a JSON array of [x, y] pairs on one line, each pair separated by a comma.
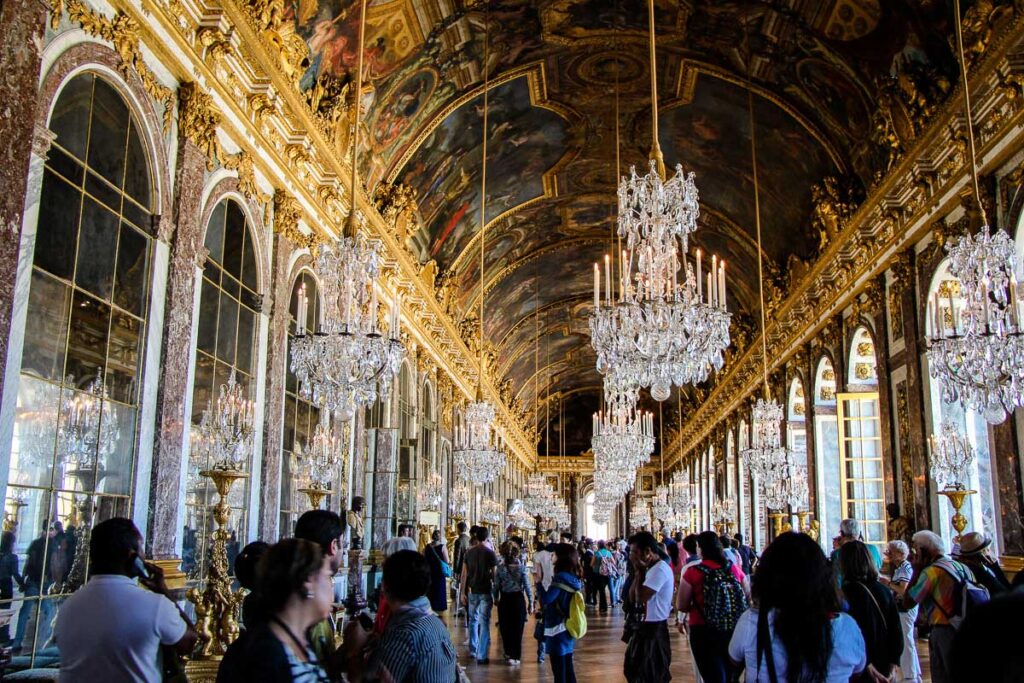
[[43, 618], [480, 605]]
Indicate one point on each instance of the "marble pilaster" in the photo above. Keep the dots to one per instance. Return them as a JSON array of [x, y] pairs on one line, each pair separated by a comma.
[[1008, 488], [384, 475], [173, 395], [277, 361], [24, 23]]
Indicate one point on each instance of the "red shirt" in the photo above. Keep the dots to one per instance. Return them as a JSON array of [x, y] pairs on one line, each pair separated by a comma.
[[695, 578]]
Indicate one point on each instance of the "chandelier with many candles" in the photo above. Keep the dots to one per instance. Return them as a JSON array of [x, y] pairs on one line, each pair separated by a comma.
[[657, 331], [349, 360], [321, 457], [223, 439], [765, 454], [623, 436], [978, 358], [952, 455]]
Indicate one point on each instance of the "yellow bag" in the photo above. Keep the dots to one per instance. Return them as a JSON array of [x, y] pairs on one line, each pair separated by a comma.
[[576, 620]]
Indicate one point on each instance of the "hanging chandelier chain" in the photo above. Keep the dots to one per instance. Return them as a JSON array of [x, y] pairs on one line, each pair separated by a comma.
[[967, 112], [483, 181], [350, 224], [760, 253], [656, 155]]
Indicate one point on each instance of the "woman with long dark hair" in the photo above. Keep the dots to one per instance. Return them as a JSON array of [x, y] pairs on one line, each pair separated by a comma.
[[437, 559], [559, 644], [720, 584], [796, 633], [512, 595], [872, 606]]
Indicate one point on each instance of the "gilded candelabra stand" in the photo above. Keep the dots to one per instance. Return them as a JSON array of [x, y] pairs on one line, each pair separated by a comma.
[[216, 605], [957, 495], [316, 494], [778, 525]]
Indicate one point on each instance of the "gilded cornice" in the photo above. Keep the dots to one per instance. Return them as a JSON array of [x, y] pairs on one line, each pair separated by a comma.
[[875, 233], [264, 113]]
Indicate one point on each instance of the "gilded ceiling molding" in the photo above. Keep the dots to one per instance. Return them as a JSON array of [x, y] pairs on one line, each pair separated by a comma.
[[122, 32], [865, 245]]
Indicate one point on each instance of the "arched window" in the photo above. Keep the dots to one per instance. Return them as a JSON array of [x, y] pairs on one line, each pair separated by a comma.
[[300, 415], [979, 508], [229, 304], [591, 528], [862, 485], [796, 428], [73, 455], [744, 509], [829, 510]]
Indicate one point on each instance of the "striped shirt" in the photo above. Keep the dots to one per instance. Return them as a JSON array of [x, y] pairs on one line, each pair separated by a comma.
[[305, 672], [415, 648]]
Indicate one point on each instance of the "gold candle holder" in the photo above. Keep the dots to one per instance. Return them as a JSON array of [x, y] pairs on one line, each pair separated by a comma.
[[777, 525], [316, 495], [956, 499], [217, 605], [803, 524]]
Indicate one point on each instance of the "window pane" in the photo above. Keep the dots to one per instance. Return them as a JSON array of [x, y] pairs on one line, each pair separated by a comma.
[[46, 327], [108, 135], [234, 235], [215, 232], [132, 275], [249, 271], [70, 119], [226, 329], [136, 178], [203, 386], [96, 250], [87, 342], [59, 207], [246, 339], [119, 432], [208, 301], [35, 432], [124, 357]]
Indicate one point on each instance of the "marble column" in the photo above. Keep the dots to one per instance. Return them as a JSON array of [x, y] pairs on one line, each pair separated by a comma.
[[174, 394], [277, 362], [24, 23], [1008, 490]]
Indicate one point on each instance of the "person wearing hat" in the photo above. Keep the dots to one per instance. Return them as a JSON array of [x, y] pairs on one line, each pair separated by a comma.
[[976, 556]]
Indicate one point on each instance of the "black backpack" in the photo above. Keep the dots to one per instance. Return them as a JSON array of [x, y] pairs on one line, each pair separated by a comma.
[[724, 599]]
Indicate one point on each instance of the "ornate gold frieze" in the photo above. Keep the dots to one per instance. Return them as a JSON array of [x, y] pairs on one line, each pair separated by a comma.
[[198, 120], [286, 222]]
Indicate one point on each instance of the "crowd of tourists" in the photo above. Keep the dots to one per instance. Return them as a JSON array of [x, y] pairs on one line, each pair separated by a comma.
[[792, 615]]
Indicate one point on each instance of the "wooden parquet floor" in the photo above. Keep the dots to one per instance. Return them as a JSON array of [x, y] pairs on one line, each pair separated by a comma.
[[598, 656]]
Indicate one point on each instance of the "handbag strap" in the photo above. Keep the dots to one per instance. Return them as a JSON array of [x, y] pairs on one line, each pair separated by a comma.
[[881, 614]]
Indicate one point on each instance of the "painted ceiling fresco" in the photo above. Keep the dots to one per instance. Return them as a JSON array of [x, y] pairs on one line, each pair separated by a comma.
[[524, 142], [818, 71]]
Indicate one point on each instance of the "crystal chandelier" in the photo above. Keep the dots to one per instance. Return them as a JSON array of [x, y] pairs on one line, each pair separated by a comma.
[[88, 433], [491, 511], [660, 507], [657, 331], [640, 514], [623, 437], [321, 456], [477, 450], [224, 434], [458, 503], [680, 494], [765, 454], [430, 493], [349, 362], [724, 511], [952, 455], [979, 358]]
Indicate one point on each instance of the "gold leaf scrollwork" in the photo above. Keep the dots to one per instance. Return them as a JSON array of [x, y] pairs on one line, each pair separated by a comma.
[[286, 222], [198, 121], [123, 33], [242, 164], [397, 205]]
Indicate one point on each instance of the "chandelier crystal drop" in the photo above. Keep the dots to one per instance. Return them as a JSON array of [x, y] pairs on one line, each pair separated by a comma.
[[639, 514], [479, 457], [680, 492], [952, 456], [321, 456], [976, 353], [348, 362], [88, 433], [458, 503], [491, 512], [224, 436], [430, 493]]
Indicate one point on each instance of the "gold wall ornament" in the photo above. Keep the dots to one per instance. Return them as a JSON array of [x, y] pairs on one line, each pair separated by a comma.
[[198, 120], [864, 371], [833, 207], [396, 204], [906, 463], [215, 43], [123, 33], [217, 604], [241, 163], [980, 21], [287, 213], [327, 100]]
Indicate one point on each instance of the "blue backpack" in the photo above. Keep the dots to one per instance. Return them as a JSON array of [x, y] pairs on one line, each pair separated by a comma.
[[967, 596]]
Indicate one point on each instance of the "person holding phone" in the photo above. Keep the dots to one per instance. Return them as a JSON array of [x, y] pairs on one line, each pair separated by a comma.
[[112, 629]]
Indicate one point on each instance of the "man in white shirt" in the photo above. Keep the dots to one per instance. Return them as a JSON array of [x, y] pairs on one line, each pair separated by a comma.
[[112, 629], [649, 653]]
